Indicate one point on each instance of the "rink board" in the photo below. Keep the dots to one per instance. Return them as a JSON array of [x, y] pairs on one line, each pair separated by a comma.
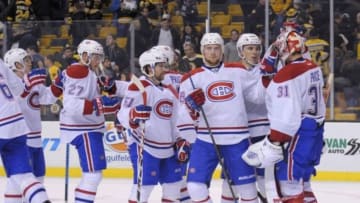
[[339, 161]]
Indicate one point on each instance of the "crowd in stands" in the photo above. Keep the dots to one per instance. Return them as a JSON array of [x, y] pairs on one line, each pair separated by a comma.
[[180, 25]]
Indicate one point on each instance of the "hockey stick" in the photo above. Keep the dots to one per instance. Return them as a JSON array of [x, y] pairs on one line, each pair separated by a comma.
[[67, 160], [141, 87], [221, 160]]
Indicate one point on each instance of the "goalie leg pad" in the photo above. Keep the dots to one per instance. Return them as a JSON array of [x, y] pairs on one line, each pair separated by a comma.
[[199, 192]]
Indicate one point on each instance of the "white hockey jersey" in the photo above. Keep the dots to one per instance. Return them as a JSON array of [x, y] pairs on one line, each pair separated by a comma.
[[79, 86], [257, 114], [160, 130], [12, 122], [30, 107], [295, 92], [172, 78], [226, 91]]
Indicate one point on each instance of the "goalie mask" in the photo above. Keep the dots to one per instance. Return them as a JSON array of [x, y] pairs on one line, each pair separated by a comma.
[[245, 40], [149, 59], [92, 48], [289, 43], [17, 55]]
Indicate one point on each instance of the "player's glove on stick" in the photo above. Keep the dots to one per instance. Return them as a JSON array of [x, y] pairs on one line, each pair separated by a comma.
[[182, 149], [263, 154], [107, 84], [138, 114], [195, 99], [106, 105]]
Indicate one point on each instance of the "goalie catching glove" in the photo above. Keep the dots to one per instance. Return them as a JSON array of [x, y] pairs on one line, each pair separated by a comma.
[[182, 150], [263, 154]]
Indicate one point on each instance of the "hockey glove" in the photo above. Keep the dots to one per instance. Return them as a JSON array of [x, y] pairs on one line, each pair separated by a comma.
[[195, 99], [263, 154], [107, 84], [182, 150], [106, 105], [35, 77], [269, 62], [139, 114]]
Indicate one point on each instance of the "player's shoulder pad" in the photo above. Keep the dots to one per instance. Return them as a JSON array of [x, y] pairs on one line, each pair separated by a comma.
[[234, 65], [191, 73], [77, 71], [133, 87], [293, 70]]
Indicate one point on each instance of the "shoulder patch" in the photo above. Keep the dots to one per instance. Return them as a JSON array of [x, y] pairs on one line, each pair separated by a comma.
[[192, 72], [293, 70], [77, 71], [133, 87]]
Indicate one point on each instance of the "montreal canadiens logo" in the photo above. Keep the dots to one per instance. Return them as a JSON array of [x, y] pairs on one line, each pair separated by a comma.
[[163, 109], [220, 91], [33, 100]]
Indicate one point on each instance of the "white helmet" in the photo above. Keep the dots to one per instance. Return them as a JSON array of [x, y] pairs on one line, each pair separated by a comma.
[[151, 58], [289, 43], [15, 55], [90, 47], [247, 39], [211, 38], [167, 51]]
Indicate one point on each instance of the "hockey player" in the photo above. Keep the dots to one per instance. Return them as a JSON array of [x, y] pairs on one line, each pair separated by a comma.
[[151, 115], [20, 62], [222, 134], [296, 138], [82, 117], [249, 49], [13, 148]]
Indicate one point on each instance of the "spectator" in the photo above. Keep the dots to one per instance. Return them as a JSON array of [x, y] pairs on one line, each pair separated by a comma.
[[145, 26], [188, 10], [230, 50], [37, 59], [255, 22], [78, 29], [118, 56], [279, 8], [141, 43], [95, 10], [67, 57], [165, 34], [52, 69], [108, 68], [191, 59], [190, 34]]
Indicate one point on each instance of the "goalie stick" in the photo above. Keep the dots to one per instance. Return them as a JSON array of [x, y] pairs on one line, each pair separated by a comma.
[[141, 88], [221, 160]]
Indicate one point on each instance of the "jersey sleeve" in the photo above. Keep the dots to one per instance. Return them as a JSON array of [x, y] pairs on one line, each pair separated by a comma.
[[121, 87], [13, 81], [46, 96]]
